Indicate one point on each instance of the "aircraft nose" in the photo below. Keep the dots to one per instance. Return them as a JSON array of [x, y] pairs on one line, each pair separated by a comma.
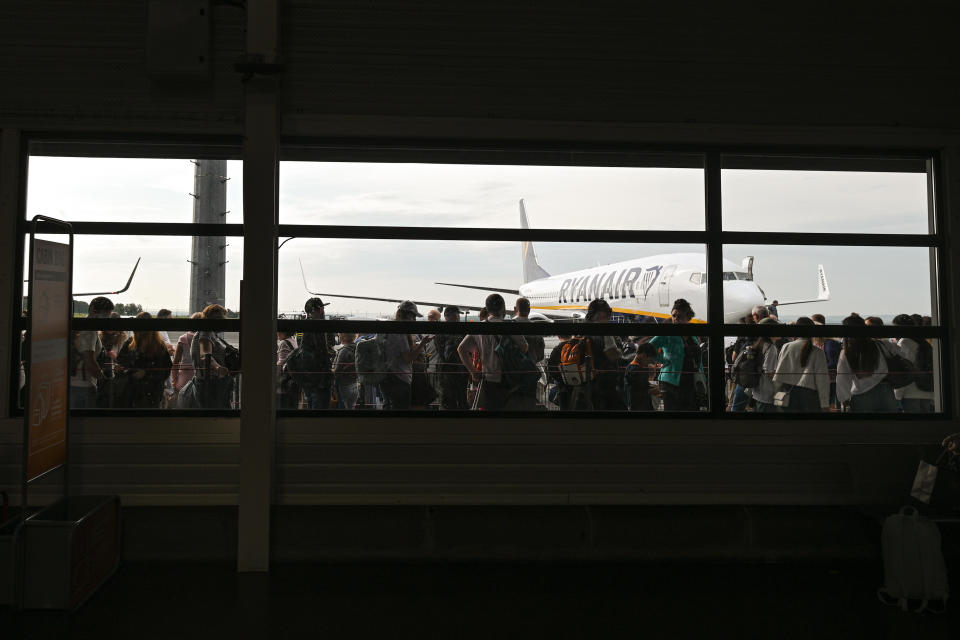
[[739, 299]]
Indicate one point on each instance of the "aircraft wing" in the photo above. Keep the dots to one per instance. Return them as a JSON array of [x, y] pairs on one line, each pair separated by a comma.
[[823, 289], [110, 293], [513, 292], [376, 299]]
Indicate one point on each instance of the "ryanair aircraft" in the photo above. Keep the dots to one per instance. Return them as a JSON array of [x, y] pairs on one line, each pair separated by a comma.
[[639, 290]]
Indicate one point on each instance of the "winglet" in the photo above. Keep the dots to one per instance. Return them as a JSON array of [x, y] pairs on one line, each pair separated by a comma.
[[304, 275], [112, 293], [130, 279]]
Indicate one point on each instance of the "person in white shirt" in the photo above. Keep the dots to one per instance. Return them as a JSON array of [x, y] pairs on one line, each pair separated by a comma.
[[86, 374], [494, 394], [802, 370], [763, 392], [861, 373], [913, 399]]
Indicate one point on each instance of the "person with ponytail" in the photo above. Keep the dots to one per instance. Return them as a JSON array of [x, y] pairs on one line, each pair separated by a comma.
[[680, 357], [802, 370], [861, 372]]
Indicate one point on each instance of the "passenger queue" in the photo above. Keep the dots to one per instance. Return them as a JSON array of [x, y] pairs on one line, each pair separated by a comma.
[[443, 371]]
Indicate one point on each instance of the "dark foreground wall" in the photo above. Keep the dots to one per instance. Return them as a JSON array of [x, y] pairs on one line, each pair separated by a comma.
[[526, 533]]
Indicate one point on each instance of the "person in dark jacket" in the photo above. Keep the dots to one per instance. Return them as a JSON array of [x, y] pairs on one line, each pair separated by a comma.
[[451, 373], [606, 389], [318, 349], [636, 380], [145, 364]]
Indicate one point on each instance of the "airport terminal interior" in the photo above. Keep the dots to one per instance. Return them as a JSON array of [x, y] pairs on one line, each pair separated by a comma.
[[502, 319]]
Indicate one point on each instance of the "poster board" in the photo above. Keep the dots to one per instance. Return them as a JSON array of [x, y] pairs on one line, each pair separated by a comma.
[[50, 310]]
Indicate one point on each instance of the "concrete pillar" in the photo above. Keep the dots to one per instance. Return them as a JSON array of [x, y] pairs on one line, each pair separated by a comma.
[[258, 298]]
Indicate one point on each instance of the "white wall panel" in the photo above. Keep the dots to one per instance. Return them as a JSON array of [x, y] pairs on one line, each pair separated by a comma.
[[193, 461]]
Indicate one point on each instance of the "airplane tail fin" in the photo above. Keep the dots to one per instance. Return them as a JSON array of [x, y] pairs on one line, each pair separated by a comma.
[[531, 268], [823, 289], [823, 292]]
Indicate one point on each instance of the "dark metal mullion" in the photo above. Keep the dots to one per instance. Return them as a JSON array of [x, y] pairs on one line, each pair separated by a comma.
[[491, 328], [939, 202], [831, 239], [493, 234], [718, 331], [413, 149], [714, 248], [154, 324], [153, 229]]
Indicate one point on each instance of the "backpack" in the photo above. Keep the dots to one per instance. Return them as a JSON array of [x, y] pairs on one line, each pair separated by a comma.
[[308, 368], [76, 360], [371, 359], [923, 371], [748, 367], [576, 362], [187, 397], [899, 369], [346, 363], [913, 566], [728, 354], [517, 369]]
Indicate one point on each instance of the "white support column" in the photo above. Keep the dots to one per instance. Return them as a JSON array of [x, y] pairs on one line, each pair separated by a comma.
[[11, 165], [258, 293]]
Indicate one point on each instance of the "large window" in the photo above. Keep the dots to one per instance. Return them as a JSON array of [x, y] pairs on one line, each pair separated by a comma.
[[161, 239], [809, 241], [716, 270]]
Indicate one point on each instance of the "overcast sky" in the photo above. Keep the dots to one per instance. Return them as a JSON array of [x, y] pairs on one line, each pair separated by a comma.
[[878, 281]]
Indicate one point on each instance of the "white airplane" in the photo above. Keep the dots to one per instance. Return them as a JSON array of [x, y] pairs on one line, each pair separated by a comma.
[[638, 290]]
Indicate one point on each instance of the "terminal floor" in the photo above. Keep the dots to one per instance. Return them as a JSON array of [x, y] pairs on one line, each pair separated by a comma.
[[603, 600]]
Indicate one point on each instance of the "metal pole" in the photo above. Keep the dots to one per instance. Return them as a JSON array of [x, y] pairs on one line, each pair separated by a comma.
[[714, 249]]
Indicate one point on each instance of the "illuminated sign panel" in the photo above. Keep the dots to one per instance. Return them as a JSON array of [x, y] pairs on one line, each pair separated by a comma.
[[49, 354]]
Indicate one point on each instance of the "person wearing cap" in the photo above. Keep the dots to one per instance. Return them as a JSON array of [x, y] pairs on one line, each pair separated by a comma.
[[316, 385], [400, 350], [452, 376], [493, 392]]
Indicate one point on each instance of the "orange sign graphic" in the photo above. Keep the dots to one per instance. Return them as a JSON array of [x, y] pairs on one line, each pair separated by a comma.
[[49, 351]]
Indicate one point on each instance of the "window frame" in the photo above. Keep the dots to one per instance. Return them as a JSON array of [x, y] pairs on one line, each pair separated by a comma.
[[712, 237]]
